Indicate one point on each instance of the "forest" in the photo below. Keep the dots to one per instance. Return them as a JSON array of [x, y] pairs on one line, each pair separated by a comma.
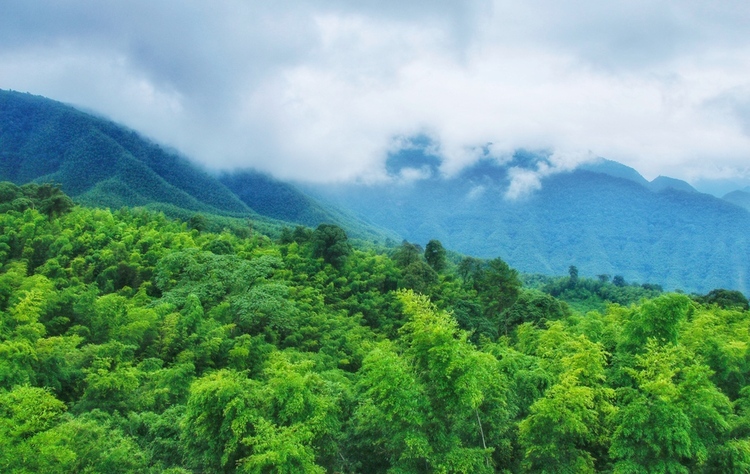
[[135, 342]]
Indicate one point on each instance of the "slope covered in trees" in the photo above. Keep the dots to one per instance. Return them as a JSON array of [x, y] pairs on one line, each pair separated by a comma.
[[132, 343], [100, 163]]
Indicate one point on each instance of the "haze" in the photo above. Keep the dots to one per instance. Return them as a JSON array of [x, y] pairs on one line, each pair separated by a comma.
[[325, 90]]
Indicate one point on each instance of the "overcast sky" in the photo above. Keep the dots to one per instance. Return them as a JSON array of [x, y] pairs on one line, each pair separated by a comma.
[[323, 90]]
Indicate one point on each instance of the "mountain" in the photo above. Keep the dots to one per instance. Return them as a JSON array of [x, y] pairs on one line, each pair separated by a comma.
[[282, 201], [100, 163], [603, 218], [722, 186], [661, 183], [741, 197], [618, 170], [614, 169]]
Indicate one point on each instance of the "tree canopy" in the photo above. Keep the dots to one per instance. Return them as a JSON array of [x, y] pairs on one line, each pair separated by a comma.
[[132, 342]]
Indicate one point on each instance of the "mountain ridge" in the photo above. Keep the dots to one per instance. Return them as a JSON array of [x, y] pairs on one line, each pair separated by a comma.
[[101, 163], [600, 223]]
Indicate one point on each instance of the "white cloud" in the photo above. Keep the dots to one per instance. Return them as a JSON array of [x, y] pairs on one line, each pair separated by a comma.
[[476, 192], [319, 90], [524, 181]]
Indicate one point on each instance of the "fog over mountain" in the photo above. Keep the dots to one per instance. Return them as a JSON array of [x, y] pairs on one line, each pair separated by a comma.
[[541, 211], [325, 91], [602, 217]]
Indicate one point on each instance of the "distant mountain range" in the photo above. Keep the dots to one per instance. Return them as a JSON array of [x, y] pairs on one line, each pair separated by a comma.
[[602, 217]]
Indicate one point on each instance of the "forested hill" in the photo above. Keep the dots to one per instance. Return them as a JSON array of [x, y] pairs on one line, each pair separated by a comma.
[[276, 199], [603, 218], [100, 163], [130, 343]]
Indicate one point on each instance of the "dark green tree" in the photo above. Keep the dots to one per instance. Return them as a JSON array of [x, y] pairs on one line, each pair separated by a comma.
[[726, 299], [573, 272], [533, 306], [407, 254], [331, 243], [435, 253], [498, 287], [468, 268], [198, 222]]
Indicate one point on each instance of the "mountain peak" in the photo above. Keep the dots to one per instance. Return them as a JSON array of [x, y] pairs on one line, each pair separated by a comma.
[[661, 183], [615, 169]]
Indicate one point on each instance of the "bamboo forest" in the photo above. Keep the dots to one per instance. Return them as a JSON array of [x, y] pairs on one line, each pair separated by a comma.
[[134, 342]]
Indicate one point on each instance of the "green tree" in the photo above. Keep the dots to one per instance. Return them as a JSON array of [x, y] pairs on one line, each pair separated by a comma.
[[567, 429], [439, 405], [726, 299], [286, 423], [407, 254], [533, 306], [573, 272], [675, 418], [498, 287], [198, 222], [435, 255], [657, 319], [331, 243], [219, 411]]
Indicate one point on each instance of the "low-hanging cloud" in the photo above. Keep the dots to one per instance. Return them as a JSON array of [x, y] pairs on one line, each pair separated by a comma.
[[525, 180], [318, 91]]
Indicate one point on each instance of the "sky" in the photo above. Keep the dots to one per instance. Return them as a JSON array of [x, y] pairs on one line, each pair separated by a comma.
[[325, 90]]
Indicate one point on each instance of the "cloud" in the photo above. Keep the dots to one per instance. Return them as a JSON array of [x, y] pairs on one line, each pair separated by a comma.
[[314, 90], [522, 183], [476, 192], [524, 180]]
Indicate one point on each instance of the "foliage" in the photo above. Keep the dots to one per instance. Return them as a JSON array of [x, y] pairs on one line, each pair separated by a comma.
[[727, 299], [330, 243], [131, 342], [435, 255]]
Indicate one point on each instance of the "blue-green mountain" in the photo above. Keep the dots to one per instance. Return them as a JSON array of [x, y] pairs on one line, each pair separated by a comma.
[[740, 197], [603, 217]]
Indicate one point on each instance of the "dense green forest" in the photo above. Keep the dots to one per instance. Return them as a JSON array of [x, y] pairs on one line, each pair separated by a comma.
[[133, 342]]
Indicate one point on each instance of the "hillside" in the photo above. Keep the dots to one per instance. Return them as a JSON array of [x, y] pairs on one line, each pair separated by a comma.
[[282, 201], [604, 218], [100, 163], [660, 183]]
